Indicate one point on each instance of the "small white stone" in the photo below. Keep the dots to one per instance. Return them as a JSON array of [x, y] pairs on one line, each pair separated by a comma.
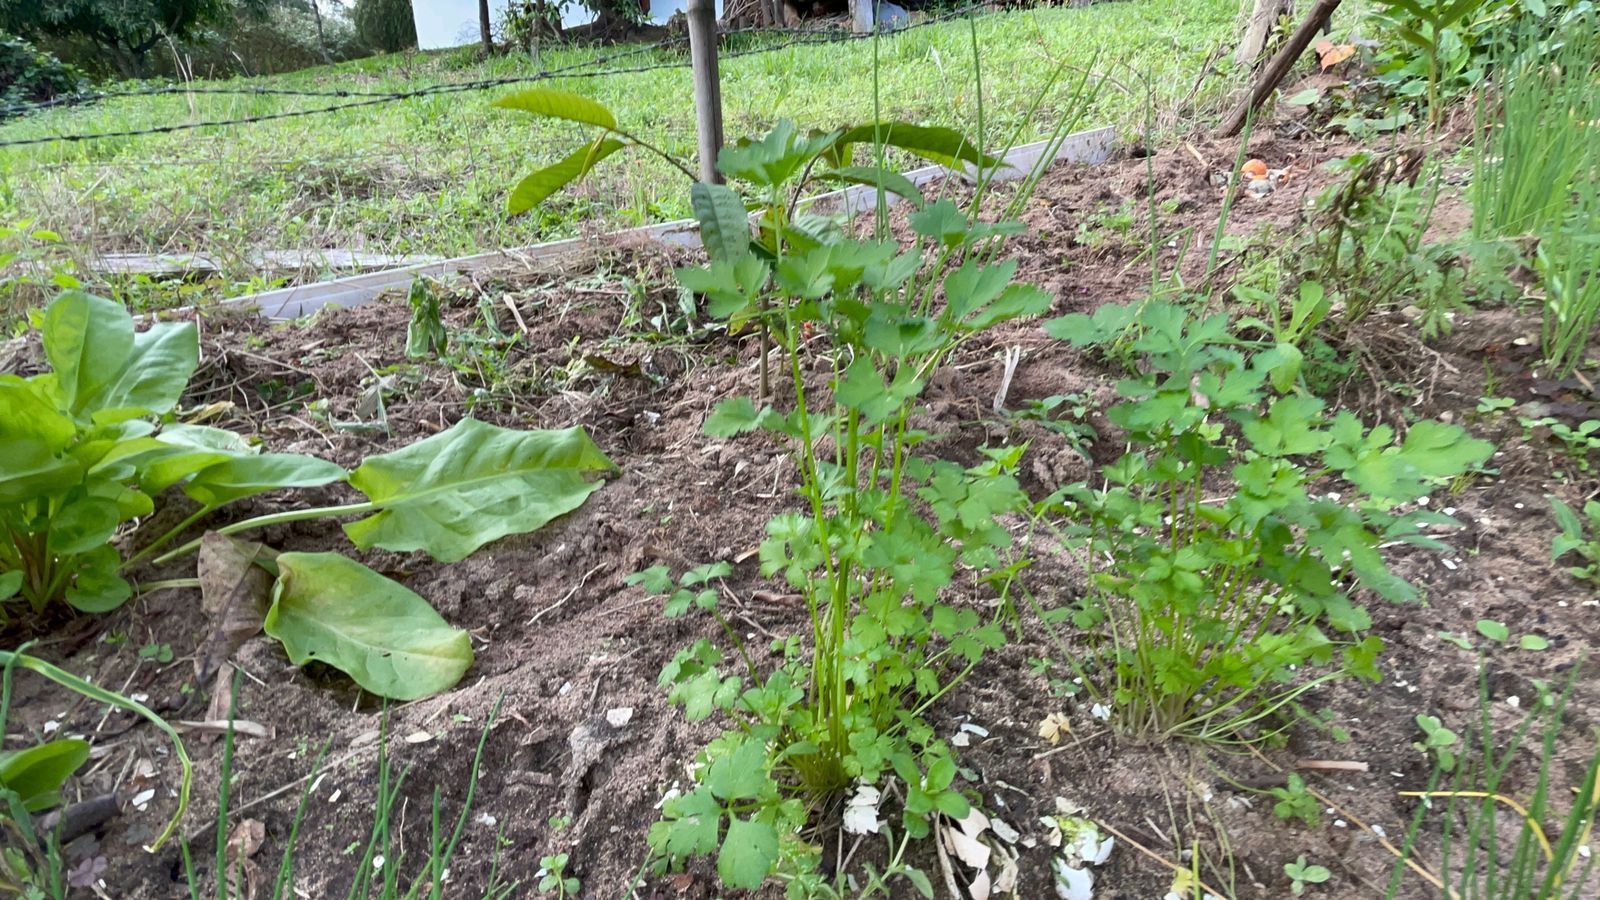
[[143, 798], [619, 717], [377, 862], [1340, 823], [1513, 701]]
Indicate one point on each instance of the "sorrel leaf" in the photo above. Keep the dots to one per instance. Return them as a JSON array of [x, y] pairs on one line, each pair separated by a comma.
[[331, 609], [471, 484]]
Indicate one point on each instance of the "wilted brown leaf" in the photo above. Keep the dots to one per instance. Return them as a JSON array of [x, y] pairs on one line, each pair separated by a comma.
[[1331, 54], [244, 876], [234, 593]]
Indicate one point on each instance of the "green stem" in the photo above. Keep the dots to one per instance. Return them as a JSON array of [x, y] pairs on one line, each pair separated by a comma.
[[176, 530], [150, 587], [282, 518], [671, 160]]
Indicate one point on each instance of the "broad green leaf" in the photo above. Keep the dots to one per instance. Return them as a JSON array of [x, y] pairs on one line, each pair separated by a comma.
[[944, 146], [452, 493], [185, 450], [331, 609], [164, 358], [724, 224], [691, 825], [775, 157], [556, 104], [96, 587], [872, 176], [37, 773], [10, 584], [33, 470], [742, 773], [27, 412], [1439, 450], [82, 525], [245, 476], [748, 852], [535, 188], [87, 340], [1533, 642]]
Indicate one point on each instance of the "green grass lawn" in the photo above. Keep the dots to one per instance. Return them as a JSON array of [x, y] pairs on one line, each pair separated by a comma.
[[431, 174]]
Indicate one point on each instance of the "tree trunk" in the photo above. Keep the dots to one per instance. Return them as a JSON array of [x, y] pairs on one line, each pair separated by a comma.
[[322, 39], [485, 34], [1258, 30], [1280, 65]]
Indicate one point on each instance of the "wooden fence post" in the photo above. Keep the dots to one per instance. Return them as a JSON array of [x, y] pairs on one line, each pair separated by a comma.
[[863, 15], [702, 15]]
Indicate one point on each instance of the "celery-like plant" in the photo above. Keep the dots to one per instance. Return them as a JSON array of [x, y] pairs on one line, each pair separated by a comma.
[[881, 534], [1218, 575]]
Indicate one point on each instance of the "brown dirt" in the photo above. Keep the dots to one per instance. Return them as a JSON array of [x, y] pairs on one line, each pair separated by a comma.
[[560, 640]]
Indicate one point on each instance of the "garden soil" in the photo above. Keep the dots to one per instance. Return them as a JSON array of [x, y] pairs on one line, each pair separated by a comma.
[[582, 744]]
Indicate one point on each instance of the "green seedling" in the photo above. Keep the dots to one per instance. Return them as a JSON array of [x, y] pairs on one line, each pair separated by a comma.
[[1438, 741], [1579, 539], [553, 877], [1301, 874], [1296, 802]]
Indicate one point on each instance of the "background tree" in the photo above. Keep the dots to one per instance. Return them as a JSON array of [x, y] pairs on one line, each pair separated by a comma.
[[485, 27], [125, 30], [387, 26]]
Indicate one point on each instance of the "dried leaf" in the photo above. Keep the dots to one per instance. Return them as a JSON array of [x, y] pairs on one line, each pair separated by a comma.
[[968, 849], [979, 888], [1054, 727], [234, 592], [244, 876], [1332, 54], [220, 726]]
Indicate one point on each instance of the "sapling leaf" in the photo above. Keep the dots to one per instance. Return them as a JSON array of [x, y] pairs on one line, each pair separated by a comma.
[[537, 186], [555, 104], [331, 609], [740, 774], [945, 146], [871, 176], [690, 825], [10, 583], [724, 223], [1533, 642], [471, 484]]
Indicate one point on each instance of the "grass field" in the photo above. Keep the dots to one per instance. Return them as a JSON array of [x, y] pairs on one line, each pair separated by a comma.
[[430, 174]]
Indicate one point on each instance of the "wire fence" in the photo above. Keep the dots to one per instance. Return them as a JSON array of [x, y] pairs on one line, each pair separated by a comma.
[[584, 70]]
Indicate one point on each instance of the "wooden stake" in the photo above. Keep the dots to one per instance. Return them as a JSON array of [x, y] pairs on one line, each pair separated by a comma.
[[702, 15], [1279, 67]]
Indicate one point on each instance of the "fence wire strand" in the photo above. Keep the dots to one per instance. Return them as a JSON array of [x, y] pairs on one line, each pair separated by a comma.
[[583, 70]]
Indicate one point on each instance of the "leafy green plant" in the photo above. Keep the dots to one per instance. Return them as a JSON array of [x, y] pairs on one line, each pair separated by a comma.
[[94, 442], [1580, 443], [31, 780], [1425, 25], [1502, 836], [553, 876], [1295, 802], [425, 335], [1578, 539], [1302, 873], [1438, 741], [1215, 574], [881, 532], [1289, 334]]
